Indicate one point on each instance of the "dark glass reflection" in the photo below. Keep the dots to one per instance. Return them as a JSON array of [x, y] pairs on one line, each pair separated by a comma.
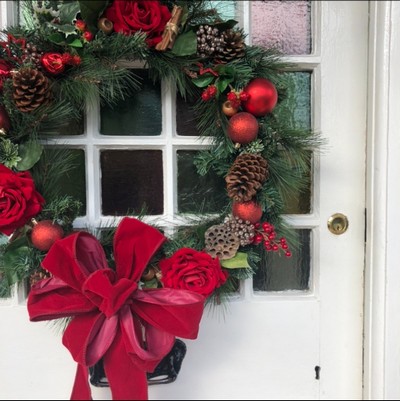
[[132, 182], [137, 115], [198, 194], [279, 273]]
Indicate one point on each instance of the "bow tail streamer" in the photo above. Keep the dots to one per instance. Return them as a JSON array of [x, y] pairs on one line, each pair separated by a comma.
[[127, 381]]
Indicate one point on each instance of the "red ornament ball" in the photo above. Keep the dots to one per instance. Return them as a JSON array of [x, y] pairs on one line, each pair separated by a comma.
[[44, 233], [242, 128], [262, 97], [250, 211], [5, 123]]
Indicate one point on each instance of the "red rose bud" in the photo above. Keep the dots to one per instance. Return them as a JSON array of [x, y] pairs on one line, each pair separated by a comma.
[[80, 25], [66, 58], [88, 36], [53, 63]]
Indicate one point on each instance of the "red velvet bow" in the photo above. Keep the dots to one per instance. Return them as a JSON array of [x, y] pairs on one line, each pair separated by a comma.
[[131, 329]]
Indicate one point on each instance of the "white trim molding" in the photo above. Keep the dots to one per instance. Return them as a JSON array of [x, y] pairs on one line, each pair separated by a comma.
[[382, 278]]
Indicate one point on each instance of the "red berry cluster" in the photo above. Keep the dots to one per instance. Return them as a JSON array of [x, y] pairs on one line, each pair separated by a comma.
[[81, 26], [236, 98], [265, 233], [209, 93], [70, 59]]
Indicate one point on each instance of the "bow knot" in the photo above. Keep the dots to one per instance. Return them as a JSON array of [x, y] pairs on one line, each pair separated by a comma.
[[107, 292]]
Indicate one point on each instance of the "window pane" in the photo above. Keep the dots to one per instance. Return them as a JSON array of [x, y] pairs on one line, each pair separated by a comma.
[[132, 182], [72, 127], [185, 119], [279, 273], [295, 107], [195, 193], [285, 25], [137, 115], [72, 183]]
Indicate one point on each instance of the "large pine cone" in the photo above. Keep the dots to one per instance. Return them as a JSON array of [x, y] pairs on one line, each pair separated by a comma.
[[232, 47], [31, 89], [246, 176]]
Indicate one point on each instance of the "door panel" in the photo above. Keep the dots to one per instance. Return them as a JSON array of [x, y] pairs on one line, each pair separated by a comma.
[[264, 345]]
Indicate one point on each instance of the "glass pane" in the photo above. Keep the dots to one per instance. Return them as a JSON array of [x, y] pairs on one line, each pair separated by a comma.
[[198, 194], [279, 273], [295, 107], [225, 7], [137, 115], [185, 120], [132, 182], [72, 127], [72, 183], [285, 25]]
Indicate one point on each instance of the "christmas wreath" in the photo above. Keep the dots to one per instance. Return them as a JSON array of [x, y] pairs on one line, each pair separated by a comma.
[[69, 53]]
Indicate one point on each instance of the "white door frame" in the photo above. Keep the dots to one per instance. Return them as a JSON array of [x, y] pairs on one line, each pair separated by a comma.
[[382, 275]]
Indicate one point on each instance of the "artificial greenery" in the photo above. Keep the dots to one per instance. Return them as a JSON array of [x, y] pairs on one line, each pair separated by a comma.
[[105, 74]]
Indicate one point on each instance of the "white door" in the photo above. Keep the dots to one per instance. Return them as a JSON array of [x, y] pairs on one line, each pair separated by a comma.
[[290, 344]]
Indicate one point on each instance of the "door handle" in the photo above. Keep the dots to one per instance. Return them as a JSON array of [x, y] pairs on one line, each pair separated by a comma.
[[338, 223]]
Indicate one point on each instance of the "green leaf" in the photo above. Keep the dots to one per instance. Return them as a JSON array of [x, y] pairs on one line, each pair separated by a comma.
[[68, 12], [91, 10], [222, 84], [30, 153], [223, 26], [185, 44], [76, 43], [239, 261], [203, 80], [57, 38]]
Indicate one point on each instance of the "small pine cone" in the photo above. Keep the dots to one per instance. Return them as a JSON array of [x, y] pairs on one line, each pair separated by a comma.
[[209, 41], [244, 230], [38, 275], [220, 242], [232, 46], [246, 176], [31, 89]]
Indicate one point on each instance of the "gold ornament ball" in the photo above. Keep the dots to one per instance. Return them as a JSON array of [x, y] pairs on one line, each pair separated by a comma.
[[243, 128], [148, 274], [44, 233], [228, 109], [105, 25]]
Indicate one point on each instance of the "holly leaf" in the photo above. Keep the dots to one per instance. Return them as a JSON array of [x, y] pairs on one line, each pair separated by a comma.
[[239, 261], [57, 38], [67, 29], [203, 80], [30, 153], [185, 44], [68, 12]]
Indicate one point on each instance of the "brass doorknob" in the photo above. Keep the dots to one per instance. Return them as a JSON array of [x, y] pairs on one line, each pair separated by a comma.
[[338, 223]]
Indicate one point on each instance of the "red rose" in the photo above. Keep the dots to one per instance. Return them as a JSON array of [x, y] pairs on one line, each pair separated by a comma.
[[88, 36], [189, 269], [19, 200], [5, 69], [147, 16], [53, 63]]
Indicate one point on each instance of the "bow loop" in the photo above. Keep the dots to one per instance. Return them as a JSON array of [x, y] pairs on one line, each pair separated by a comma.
[[107, 292]]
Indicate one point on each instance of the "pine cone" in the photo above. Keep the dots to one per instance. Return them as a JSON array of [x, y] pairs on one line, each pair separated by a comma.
[[244, 230], [31, 89], [246, 176], [37, 276], [31, 55], [232, 46], [221, 242]]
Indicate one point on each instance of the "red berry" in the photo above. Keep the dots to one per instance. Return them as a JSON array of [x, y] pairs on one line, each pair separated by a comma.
[[266, 243], [80, 25], [283, 240], [231, 96], [272, 236], [288, 254], [275, 247], [88, 36], [284, 246]]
